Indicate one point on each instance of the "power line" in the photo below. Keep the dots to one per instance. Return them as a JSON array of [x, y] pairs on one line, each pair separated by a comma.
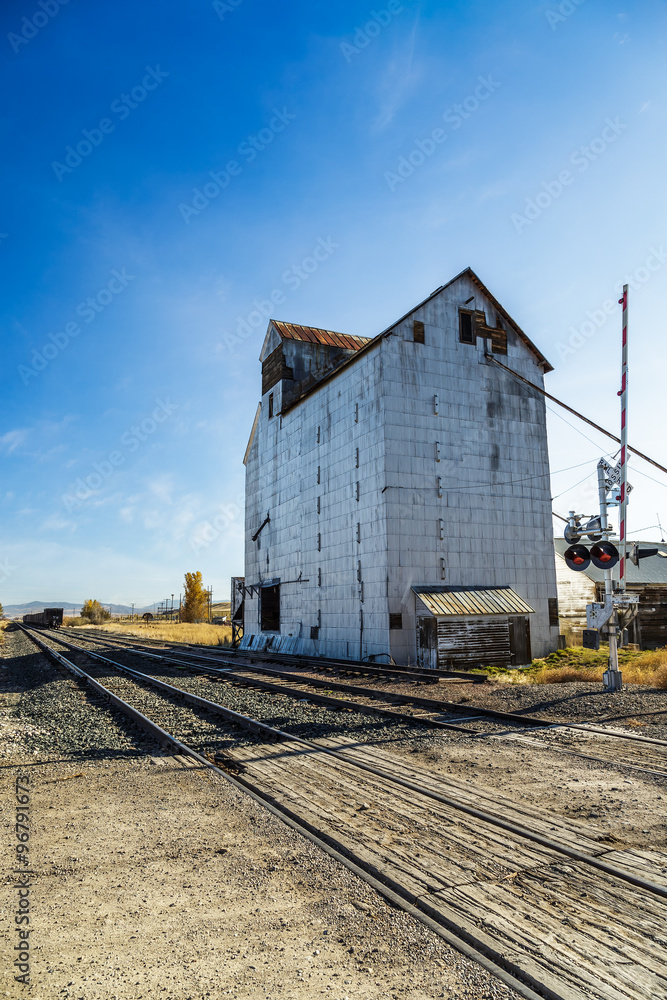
[[548, 395], [474, 486], [576, 429], [573, 487]]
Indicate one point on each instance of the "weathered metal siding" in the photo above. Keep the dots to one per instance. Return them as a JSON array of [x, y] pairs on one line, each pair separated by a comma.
[[485, 439], [303, 469], [349, 477]]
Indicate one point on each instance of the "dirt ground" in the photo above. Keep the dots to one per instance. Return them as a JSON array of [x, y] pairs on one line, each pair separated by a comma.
[[156, 879]]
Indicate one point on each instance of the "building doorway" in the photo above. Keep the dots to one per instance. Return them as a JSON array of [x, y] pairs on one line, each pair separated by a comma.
[[427, 643], [270, 608], [519, 641]]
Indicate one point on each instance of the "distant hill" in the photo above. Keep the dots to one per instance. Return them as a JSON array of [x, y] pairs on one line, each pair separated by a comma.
[[219, 609], [12, 610]]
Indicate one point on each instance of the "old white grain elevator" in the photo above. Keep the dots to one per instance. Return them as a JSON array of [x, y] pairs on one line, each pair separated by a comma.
[[397, 490]]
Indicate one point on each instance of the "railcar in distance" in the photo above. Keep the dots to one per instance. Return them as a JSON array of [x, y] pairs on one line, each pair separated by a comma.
[[48, 618]]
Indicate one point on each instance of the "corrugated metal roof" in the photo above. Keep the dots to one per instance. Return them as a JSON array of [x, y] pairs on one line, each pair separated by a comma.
[[652, 570], [491, 601], [314, 335]]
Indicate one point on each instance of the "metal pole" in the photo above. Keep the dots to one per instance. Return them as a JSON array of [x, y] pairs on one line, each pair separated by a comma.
[[622, 516], [612, 679]]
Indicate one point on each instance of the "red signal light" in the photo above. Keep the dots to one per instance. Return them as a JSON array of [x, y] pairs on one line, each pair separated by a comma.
[[577, 557], [604, 555]]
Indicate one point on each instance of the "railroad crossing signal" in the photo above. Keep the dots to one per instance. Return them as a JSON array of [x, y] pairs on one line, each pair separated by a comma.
[[635, 553], [604, 555], [577, 557]]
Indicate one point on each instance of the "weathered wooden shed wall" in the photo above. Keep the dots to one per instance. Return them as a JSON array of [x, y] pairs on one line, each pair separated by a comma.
[[349, 478]]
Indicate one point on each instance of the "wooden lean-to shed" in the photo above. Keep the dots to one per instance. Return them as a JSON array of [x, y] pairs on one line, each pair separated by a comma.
[[471, 628]]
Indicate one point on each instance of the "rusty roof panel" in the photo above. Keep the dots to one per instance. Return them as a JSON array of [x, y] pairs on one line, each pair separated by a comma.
[[315, 335], [494, 601]]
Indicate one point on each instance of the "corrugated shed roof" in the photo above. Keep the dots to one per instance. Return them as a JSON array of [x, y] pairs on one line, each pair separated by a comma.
[[315, 335], [651, 570], [491, 601]]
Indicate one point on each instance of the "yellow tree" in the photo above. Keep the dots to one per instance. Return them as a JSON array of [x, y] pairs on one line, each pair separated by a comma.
[[195, 599], [94, 611]]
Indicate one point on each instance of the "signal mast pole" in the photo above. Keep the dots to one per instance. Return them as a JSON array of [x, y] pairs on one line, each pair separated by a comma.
[[613, 680], [622, 517]]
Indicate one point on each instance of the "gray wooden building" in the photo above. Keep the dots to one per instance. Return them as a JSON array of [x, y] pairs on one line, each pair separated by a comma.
[[576, 589], [397, 490]]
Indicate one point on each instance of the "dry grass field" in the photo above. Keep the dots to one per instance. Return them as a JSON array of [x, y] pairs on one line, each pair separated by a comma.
[[202, 634], [579, 664]]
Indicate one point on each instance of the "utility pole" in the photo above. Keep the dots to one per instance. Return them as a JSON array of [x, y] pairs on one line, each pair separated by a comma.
[[613, 679], [622, 517]]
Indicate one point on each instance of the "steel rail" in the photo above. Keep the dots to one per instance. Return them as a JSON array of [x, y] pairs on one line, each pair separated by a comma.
[[351, 666], [467, 708], [243, 680], [280, 689], [485, 817], [495, 962]]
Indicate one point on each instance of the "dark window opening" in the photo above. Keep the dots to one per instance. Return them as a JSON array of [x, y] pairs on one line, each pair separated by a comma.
[[314, 631], [395, 620], [270, 405], [466, 330], [553, 612], [270, 609], [418, 332]]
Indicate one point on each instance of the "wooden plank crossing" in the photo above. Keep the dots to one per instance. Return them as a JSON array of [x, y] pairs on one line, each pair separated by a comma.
[[580, 932]]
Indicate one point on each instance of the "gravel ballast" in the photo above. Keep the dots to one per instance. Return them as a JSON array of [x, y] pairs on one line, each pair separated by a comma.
[[158, 880]]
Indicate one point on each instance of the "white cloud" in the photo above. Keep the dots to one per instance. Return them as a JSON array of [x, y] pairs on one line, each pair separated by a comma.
[[12, 440]]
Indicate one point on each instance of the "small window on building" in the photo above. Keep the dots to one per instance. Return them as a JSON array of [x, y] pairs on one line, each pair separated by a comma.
[[418, 332], [395, 620], [466, 328], [270, 609], [314, 631], [270, 405], [553, 612]]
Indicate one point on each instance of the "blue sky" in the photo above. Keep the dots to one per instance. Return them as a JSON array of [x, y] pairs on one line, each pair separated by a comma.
[[168, 169]]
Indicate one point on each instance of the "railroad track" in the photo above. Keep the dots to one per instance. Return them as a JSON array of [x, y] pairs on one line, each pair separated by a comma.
[[593, 743], [321, 663], [541, 901]]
